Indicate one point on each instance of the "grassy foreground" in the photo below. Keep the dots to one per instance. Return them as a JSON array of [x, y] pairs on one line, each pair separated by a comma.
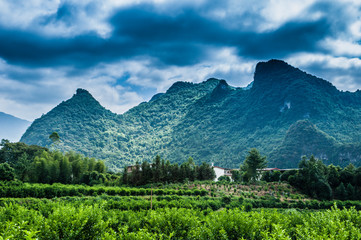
[[182, 211], [69, 220]]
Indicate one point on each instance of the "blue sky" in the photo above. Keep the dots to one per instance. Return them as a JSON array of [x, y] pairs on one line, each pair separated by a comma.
[[125, 51]]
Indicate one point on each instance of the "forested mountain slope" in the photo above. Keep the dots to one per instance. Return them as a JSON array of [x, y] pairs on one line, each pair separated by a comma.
[[214, 122]]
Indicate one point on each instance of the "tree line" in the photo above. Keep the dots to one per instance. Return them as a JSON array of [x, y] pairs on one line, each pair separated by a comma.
[[161, 171], [313, 177], [35, 164], [39, 165], [320, 181]]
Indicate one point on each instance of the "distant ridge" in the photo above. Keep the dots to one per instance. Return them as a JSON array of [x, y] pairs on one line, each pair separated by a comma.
[[285, 113], [12, 128]]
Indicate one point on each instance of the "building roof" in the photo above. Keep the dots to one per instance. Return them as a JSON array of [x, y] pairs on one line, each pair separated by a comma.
[[269, 169], [222, 168]]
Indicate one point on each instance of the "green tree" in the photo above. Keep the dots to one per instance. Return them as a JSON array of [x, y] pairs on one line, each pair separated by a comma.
[[78, 169], [340, 192], [253, 162], [156, 169], [146, 173], [205, 172], [333, 175], [224, 178], [357, 178], [7, 173], [22, 167], [41, 170], [125, 175], [11, 152], [54, 137], [236, 175], [100, 167], [350, 190], [312, 178], [64, 170], [347, 174], [323, 190]]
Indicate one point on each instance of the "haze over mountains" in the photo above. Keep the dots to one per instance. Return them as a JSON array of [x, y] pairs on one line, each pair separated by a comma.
[[12, 128], [285, 113]]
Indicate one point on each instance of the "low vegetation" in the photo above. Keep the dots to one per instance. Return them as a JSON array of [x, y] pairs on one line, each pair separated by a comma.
[[51, 195], [107, 219]]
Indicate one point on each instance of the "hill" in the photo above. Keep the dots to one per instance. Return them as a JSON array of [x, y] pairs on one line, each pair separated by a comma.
[[214, 122], [11, 128]]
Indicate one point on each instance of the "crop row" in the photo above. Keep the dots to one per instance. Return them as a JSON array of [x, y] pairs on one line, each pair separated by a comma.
[[60, 190], [64, 220], [138, 203]]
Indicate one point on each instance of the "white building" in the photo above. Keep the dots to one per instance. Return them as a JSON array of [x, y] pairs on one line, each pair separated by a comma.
[[222, 172]]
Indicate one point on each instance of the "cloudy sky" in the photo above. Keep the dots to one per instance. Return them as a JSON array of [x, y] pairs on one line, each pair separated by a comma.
[[125, 51]]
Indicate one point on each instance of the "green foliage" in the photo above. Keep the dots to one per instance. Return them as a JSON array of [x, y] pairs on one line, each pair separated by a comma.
[[224, 178], [312, 178], [105, 219], [253, 163], [304, 138], [16, 190], [164, 172], [215, 122], [236, 175], [54, 137], [12, 152], [326, 182], [38, 164], [272, 176], [7, 173], [340, 192]]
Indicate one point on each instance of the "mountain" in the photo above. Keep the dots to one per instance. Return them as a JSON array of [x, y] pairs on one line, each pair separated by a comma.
[[82, 123], [11, 128], [303, 138], [214, 122]]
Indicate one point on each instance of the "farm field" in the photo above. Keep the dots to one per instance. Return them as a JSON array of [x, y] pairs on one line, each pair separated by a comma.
[[202, 210]]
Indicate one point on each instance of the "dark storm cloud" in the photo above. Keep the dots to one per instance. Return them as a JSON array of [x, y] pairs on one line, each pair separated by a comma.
[[180, 38], [31, 49], [290, 38]]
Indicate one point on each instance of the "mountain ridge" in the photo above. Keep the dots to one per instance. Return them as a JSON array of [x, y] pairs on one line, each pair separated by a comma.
[[210, 121], [11, 127]]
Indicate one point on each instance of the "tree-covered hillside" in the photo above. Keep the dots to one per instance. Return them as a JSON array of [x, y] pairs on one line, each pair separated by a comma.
[[214, 122]]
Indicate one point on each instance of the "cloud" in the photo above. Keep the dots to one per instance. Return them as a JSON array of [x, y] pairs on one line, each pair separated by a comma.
[[123, 52], [343, 72], [171, 38]]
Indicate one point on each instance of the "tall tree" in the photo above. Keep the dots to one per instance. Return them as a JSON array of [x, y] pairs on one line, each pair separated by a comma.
[[64, 170], [157, 169], [7, 173], [125, 175], [253, 162], [333, 175]]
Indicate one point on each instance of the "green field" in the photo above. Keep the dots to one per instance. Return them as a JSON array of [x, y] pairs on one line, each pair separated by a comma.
[[199, 210]]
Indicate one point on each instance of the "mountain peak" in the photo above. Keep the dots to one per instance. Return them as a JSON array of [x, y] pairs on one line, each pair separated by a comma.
[[278, 75], [178, 86], [82, 95], [82, 91], [273, 67]]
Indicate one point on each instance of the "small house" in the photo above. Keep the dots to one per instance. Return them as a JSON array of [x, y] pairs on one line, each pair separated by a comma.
[[222, 172]]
